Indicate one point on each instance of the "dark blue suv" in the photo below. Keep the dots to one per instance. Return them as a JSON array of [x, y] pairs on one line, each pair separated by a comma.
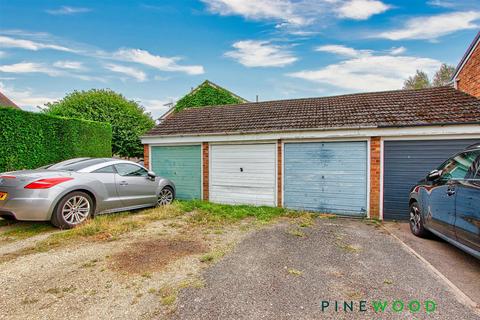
[[447, 202]]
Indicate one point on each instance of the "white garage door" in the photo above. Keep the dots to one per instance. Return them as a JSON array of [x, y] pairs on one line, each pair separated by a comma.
[[243, 174]]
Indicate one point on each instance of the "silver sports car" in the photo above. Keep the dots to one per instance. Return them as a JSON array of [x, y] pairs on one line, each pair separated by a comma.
[[69, 192]]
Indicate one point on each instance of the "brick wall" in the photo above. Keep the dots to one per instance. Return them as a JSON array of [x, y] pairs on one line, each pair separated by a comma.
[[146, 155], [468, 80], [279, 173], [375, 177], [205, 165]]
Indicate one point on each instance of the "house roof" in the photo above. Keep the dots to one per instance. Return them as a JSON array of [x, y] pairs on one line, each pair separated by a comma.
[[5, 102], [432, 106], [214, 85], [466, 55]]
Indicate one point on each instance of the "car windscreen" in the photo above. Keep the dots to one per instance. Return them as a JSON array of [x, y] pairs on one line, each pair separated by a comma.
[[75, 164]]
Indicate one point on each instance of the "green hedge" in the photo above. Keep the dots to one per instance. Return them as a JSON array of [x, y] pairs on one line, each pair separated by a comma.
[[31, 140]]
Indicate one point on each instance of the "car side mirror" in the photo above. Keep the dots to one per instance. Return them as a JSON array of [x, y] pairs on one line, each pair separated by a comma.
[[151, 175], [434, 175]]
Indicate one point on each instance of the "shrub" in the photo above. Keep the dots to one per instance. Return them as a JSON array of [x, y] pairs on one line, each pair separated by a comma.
[[207, 94], [31, 140], [128, 119]]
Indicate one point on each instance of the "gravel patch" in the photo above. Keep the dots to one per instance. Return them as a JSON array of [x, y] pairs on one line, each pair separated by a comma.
[[82, 280]]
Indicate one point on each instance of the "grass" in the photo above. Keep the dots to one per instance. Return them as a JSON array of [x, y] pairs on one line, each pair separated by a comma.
[[211, 212], [349, 248], [23, 230], [294, 272], [109, 227], [297, 232], [215, 254]]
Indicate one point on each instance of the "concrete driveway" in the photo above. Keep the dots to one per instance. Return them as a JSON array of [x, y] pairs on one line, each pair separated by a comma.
[[289, 271], [462, 269]]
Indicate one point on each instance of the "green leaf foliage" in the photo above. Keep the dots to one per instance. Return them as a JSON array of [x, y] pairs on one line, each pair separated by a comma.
[[418, 81], [128, 119], [207, 95], [31, 140]]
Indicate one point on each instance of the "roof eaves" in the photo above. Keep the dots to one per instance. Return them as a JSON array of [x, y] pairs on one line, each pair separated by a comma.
[[466, 56]]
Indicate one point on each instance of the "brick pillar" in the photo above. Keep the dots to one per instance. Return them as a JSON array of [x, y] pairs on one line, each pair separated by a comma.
[[279, 173], [146, 155], [375, 178], [205, 165]]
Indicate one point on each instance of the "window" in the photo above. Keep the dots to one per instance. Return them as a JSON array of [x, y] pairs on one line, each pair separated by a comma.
[[75, 164], [107, 169], [130, 170], [459, 167], [474, 172]]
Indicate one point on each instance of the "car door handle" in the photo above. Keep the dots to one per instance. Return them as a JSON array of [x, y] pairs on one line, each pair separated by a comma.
[[451, 192], [123, 183]]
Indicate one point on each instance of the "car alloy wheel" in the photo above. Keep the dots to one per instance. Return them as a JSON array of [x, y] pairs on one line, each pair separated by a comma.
[[165, 197], [76, 210], [415, 219]]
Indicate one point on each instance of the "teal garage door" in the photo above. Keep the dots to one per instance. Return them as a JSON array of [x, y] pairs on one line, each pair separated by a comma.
[[182, 165], [326, 177]]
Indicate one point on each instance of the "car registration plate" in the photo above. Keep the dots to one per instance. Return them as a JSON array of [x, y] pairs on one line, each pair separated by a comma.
[[3, 196]]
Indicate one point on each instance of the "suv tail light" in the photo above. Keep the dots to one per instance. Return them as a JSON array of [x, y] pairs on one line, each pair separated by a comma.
[[7, 177], [46, 183]]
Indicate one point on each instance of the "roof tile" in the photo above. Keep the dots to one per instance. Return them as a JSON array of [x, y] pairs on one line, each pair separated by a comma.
[[433, 106]]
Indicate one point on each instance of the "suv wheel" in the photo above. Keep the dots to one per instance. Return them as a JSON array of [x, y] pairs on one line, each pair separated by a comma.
[[416, 221]]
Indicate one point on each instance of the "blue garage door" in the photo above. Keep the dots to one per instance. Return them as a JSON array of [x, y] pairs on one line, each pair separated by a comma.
[[326, 177], [407, 162]]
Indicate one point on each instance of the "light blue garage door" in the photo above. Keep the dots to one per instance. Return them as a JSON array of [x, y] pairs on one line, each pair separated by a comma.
[[182, 165], [326, 177]]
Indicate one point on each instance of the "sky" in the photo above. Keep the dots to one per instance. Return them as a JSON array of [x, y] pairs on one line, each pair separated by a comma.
[[154, 52]]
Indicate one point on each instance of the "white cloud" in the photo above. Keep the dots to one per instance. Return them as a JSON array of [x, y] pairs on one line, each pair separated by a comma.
[[134, 73], [9, 42], [361, 9], [156, 107], [158, 62], [26, 98], [369, 72], [397, 50], [342, 50], [33, 67], [29, 67], [253, 53], [433, 27], [69, 65], [66, 10], [441, 3], [299, 17], [281, 10]]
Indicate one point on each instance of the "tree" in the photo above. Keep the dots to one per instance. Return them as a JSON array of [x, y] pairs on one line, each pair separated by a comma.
[[208, 94], [443, 76], [128, 119], [418, 81]]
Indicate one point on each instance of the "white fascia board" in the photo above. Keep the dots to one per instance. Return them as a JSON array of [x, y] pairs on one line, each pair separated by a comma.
[[472, 130], [464, 62]]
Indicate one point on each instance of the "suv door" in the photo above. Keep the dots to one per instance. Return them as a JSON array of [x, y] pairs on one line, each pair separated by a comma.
[[467, 223], [134, 186], [440, 199]]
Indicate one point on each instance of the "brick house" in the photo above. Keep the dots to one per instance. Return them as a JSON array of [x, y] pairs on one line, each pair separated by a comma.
[[467, 74], [356, 154]]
